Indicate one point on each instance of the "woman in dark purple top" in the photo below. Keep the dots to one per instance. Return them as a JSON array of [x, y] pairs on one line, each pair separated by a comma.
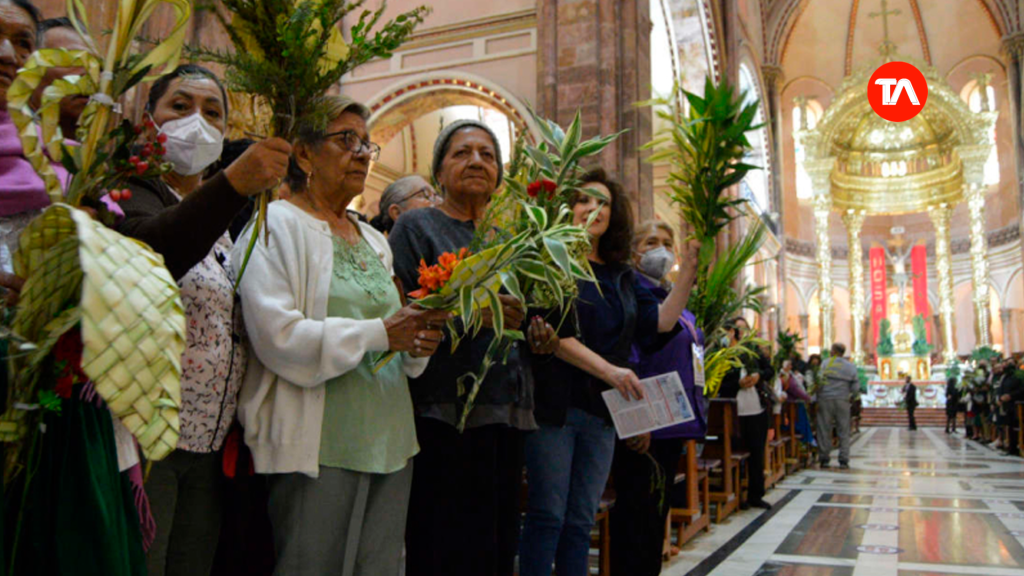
[[638, 525]]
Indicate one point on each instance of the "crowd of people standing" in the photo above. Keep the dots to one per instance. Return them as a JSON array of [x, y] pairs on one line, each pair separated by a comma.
[[363, 471]]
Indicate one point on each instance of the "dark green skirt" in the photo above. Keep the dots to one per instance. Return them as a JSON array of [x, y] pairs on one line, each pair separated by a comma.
[[79, 515]]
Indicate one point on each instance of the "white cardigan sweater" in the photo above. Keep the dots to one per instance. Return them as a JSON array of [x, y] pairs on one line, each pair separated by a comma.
[[295, 347]]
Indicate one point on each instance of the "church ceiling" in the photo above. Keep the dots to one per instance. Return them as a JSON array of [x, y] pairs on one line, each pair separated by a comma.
[[828, 39]]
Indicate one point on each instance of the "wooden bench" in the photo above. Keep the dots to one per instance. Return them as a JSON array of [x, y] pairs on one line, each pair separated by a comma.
[[793, 440], [775, 454], [726, 492], [1020, 427], [696, 516]]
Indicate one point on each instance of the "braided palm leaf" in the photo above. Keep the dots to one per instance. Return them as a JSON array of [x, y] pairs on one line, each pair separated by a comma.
[[131, 317]]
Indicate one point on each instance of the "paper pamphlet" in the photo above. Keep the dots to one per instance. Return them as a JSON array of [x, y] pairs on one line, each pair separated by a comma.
[[665, 404]]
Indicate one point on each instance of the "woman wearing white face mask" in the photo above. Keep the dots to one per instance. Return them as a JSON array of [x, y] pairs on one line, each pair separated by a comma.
[[185, 219]]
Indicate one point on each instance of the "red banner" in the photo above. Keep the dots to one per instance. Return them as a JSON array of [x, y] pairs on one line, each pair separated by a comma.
[[878, 292], [919, 268]]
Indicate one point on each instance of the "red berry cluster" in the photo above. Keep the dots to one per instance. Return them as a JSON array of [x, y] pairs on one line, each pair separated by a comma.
[[151, 152], [118, 195]]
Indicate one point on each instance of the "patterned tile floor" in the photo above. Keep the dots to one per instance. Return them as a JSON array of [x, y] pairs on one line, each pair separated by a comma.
[[914, 504]]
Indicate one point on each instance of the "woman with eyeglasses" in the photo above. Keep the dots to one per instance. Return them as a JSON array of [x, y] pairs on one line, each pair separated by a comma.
[[403, 195], [334, 437]]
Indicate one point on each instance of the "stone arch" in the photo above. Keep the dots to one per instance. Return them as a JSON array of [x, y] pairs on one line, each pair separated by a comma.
[[398, 105]]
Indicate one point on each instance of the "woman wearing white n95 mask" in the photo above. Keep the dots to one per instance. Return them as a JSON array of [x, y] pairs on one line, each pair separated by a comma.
[[185, 219]]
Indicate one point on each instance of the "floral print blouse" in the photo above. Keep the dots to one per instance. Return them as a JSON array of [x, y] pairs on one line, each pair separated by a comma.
[[215, 356]]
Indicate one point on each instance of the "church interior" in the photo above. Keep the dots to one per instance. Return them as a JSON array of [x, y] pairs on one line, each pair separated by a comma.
[[934, 205], [900, 241]]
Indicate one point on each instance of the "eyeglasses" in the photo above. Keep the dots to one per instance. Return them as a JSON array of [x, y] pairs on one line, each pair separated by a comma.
[[355, 144], [427, 192]]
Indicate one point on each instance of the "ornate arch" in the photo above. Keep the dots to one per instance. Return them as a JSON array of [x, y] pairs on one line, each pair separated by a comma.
[[401, 103]]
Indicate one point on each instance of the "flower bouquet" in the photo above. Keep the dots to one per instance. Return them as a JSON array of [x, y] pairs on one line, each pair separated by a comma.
[[289, 53], [79, 274]]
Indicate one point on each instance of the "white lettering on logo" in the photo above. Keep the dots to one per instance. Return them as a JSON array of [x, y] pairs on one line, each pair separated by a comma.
[[890, 99]]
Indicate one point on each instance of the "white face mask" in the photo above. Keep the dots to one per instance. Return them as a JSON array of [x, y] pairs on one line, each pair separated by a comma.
[[192, 144], [657, 262]]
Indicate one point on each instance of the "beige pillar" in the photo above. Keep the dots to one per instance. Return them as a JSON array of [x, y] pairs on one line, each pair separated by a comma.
[[940, 216], [805, 330], [1009, 332], [854, 220]]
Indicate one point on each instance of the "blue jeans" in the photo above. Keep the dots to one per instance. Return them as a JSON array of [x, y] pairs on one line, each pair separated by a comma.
[[567, 468]]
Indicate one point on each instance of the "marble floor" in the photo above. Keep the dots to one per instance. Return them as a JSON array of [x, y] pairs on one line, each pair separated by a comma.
[[913, 504]]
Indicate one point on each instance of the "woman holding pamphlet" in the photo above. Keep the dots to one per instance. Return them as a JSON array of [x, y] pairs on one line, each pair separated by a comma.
[[569, 458], [638, 525]]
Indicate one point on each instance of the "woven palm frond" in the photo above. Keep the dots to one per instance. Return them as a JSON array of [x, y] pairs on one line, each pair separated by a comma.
[[132, 320]]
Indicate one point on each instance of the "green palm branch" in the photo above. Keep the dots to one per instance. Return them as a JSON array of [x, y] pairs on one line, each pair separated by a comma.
[[705, 148], [289, 53], [716, 298]]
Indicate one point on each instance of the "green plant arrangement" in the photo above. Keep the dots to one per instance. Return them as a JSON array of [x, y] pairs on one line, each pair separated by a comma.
[[704, 147], [289, 53], [885, 347], [921, 347], [985, 353], [526, 244], [786, 343], [862, 377]]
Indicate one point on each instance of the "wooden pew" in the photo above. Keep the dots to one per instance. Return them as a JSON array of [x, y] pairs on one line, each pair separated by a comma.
[[775, 454], [793, 440], [1020, 427], [726, 492], [696, 516]]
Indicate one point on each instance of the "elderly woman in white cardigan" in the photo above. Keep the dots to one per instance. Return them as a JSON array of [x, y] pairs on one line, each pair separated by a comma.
[[335, 439]]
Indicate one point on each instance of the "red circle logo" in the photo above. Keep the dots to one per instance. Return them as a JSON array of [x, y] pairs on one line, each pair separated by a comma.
[[897, 91]]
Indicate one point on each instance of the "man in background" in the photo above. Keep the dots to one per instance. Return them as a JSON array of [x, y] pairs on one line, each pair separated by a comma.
[[841, 384], [59, 33], [910, 397]]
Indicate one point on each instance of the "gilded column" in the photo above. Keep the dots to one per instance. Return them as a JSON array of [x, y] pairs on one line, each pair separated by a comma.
[[805, 328], [854, 220], [975, 194], [820, 171], [940, 216], [822, 208]]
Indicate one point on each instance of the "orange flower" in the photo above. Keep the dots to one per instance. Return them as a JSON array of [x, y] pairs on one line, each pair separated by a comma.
[[433, 278]]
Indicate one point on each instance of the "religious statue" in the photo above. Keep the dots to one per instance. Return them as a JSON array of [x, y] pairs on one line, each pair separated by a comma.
[[898, 256]]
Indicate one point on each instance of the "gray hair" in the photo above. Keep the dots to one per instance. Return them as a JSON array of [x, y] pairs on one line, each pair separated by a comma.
[[396, 193]]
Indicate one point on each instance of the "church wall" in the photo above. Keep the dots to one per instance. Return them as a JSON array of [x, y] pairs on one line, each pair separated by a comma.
[[490, 45]]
